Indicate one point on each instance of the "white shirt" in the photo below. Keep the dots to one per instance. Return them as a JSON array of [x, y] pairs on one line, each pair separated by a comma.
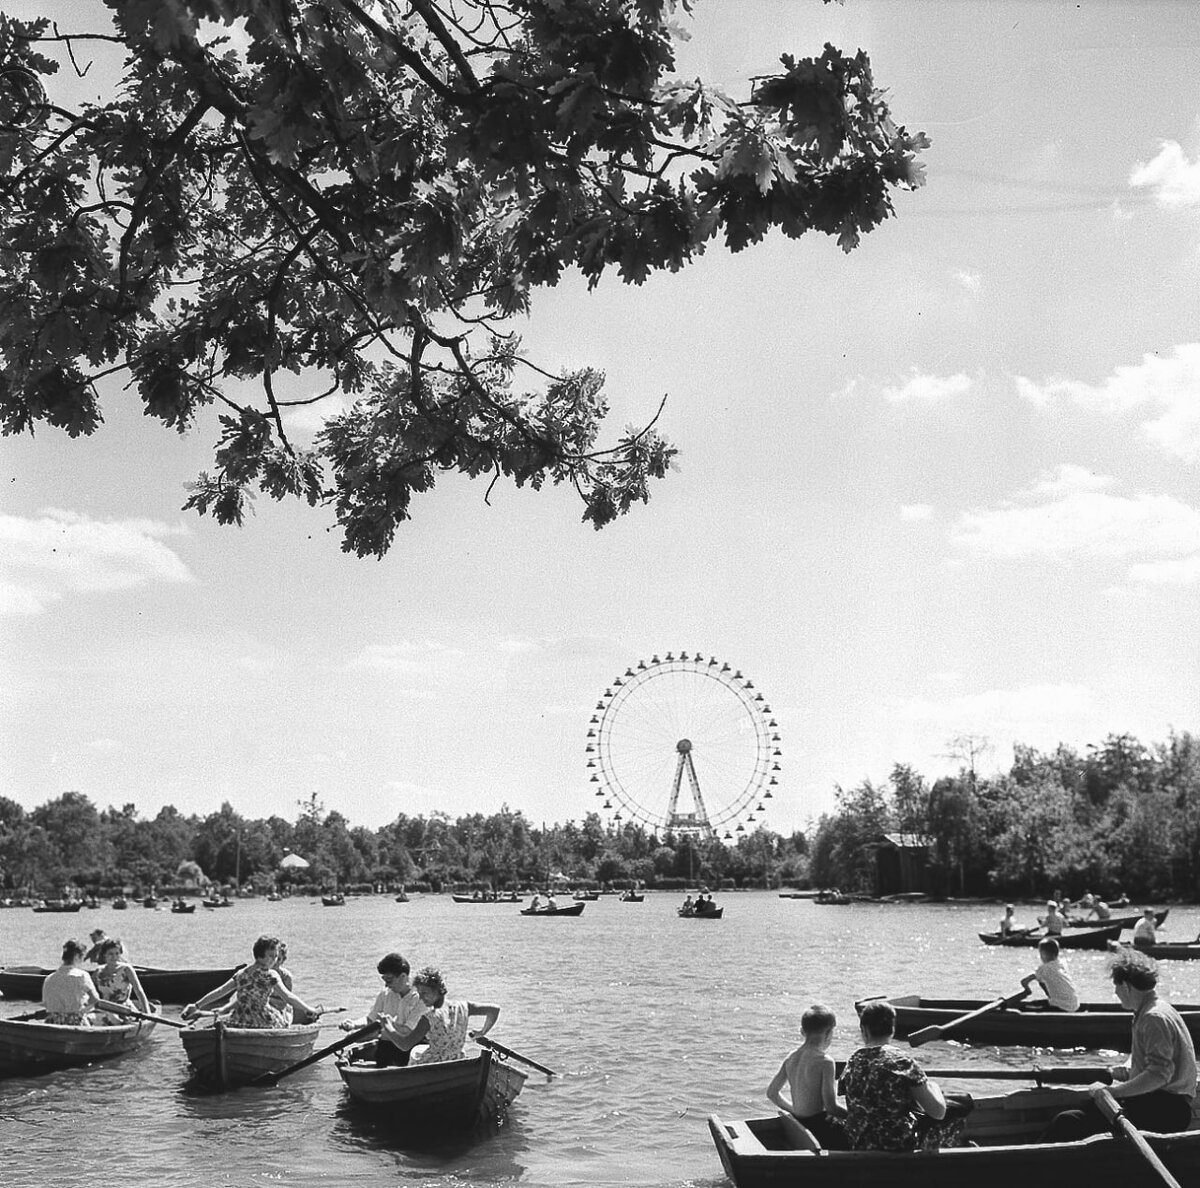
[[1056, 981], [405, 1010]]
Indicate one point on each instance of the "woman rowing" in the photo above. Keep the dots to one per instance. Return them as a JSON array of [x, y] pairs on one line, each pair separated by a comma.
[[448, 1020], [69, 994], [254, 985]]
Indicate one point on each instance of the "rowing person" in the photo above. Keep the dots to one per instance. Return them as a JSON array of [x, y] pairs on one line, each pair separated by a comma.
[[255, 985], [398, 1010], [1053, 977], [1155, 1086], [69, 994], [1144, 934]]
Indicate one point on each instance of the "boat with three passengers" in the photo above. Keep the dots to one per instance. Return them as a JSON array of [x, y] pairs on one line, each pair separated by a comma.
[[1028, 1023]]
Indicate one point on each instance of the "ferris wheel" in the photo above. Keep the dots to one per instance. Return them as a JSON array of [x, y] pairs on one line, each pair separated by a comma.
[[684, 728]]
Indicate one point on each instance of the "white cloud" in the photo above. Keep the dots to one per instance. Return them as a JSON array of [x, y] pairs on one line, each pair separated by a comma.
[[1184, 571], [59, 553], [971, 281], [1170, 176], [1067, 478], [1167, 387], [928, 389], [912, 513], [310, 418], [1087, 523]]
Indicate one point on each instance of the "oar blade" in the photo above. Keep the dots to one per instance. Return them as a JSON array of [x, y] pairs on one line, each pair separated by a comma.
[[485, 1042]]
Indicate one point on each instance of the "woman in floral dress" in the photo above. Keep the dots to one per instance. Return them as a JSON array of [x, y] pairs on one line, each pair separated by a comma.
[[254, 986], [891, 1105], [117, 981], [448, 1020]]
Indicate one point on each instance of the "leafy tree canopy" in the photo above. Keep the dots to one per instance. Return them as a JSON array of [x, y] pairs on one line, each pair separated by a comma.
[[355, 197]]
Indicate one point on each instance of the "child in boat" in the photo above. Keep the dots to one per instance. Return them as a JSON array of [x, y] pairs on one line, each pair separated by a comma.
[[1054, 978], [808, 1073], [401, 1013]]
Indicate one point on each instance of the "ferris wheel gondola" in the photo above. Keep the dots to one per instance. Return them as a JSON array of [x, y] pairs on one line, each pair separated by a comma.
[[685, 744]]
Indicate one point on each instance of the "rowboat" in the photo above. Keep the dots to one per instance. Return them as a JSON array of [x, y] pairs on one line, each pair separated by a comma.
[[1094, 1025], [226, 1056], [448, 1095], [183, 909], [1094, 938], [586, 896], [761, 1153], [30, 1045], [58, 905], [630, 897], [1123, 921], [512, 898], [707, 914], [164, 985], [1170, 950], [574, 909], [338, 900]]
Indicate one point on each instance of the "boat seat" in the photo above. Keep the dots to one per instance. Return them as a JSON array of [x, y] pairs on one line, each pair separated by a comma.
[[798, 1135]]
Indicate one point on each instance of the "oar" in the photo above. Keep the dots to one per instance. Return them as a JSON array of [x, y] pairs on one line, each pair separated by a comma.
[[936, 1031], [269, 1078], [485, 1042], [1113, 1112], [118, 1009], [1059, 1074]]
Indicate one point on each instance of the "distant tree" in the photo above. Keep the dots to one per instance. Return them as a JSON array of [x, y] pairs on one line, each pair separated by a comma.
[[361, 196]]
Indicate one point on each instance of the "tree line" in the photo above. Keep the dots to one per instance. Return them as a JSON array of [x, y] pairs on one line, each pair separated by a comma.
[[1118, 815]]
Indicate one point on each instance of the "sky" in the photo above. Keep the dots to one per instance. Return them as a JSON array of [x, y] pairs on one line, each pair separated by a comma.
[[942, 486]]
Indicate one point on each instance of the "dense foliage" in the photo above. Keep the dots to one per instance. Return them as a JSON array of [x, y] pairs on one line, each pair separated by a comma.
[[67, 842], [280, 203], [1119, 816]]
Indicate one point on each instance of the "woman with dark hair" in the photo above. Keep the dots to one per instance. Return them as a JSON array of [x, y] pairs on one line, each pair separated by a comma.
[[449, 1020], [254, 985], [69, 994], [891, 1105], [1155, 1086], [117, 981]]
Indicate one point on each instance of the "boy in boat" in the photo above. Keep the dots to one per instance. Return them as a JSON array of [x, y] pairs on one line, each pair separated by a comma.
[[809, 1074], [399, 1010], [1053, 977], [1144, 934]]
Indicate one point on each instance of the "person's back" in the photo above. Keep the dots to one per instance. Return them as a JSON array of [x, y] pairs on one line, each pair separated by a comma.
[[1055, 979], [1144, 934], [810, 1075], [1053, 921]]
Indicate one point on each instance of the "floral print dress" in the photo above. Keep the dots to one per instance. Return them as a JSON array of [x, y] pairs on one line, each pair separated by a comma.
[[253, 1007], [447, 1033], [881, 1115], [114, 985]]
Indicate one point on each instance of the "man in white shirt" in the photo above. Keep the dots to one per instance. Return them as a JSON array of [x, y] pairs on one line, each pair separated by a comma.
[[1144, 934], [398, 1010]]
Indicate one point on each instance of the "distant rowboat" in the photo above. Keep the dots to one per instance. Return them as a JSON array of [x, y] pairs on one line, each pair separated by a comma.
[[1095, 938], [163, 985], [574, 909]]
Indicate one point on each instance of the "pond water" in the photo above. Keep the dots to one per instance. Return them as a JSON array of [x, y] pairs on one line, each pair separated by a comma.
[[651, 1021]]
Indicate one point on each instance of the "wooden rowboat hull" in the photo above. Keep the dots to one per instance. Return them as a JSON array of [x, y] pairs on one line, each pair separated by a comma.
[[162, 985], [756, 1154], [1123, 921], [715, 914], [1095, 938], [227, 1056], [448, 1095], [29, 1046], [575, 909], [1094, 1025], [1183, 951], [491, 899]]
